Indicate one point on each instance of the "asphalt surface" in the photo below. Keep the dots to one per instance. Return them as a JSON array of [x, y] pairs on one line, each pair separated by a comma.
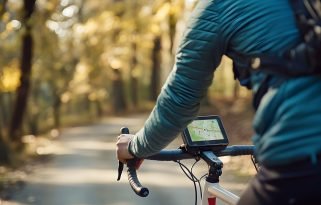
[[82, 170]]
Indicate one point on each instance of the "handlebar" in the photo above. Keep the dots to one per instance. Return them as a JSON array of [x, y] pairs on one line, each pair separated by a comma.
[[133, 179], [176, 155], [131, 172], [179, 154]]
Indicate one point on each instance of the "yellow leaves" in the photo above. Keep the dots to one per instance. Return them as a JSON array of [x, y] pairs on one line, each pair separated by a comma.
[[177, 8], [14, 5], [163, 12], [91, 26], [5, 17], [155, 29], [136, 73], [97, 95], [13, 25], [115, 63], [70, 11], [2, 9], [47, 5], [65, 97], [79, 84], [10, 26], [102, 23], [10, 77]]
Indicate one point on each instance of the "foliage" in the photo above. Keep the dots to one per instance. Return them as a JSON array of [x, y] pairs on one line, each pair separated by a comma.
[[10, 77], [86, 53]]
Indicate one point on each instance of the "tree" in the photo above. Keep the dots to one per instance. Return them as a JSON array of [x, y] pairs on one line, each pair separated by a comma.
[[2, 7], [155, 75], [26, 64]]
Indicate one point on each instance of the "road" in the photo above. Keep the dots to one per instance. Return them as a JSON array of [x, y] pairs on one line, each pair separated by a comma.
[[83, 171]]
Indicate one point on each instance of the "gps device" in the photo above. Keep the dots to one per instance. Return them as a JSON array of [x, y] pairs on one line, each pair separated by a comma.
[[205, 133]]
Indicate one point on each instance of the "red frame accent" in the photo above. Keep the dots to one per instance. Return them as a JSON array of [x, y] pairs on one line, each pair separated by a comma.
[[211, 201]]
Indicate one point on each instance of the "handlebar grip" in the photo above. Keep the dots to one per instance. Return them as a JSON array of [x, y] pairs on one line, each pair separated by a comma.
[[132, 175], [124, 130], [133, 179]]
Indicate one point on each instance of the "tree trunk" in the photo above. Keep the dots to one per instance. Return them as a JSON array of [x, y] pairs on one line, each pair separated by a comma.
[[26, 62], [172, 28], [4, 152], [133, 77], [56, 112], [2, 116], [155, 75], [1, 129], [2, 7], [119, 100], [6, 101], [4, 145], [99, 109], [33, 124]]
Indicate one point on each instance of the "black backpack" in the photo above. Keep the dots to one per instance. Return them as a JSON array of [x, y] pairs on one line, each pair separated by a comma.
[[304, 59]]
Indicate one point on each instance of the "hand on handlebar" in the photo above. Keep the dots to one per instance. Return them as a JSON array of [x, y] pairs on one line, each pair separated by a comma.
[[122, 152], [122, 143], [133, 163]]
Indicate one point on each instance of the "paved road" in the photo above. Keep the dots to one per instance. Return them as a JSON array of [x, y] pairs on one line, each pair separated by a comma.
[[83, 171]]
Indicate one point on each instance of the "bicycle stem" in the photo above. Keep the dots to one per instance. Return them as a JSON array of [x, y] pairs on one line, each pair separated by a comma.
[[216, 165]]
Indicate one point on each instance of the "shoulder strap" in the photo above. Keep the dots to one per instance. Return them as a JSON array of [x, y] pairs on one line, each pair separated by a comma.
[[304, 59], [308, 19]]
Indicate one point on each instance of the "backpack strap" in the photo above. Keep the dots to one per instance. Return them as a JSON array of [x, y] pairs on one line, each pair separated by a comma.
[[302, 60], [308, 20]]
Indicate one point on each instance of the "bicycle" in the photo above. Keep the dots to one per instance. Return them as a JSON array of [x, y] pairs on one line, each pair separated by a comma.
[[209, 153]]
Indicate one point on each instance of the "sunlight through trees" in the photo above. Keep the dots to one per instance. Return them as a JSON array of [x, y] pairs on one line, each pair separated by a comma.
[[74, 61]]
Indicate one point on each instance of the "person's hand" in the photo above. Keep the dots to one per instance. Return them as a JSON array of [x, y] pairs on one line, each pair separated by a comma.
[[122, 143]]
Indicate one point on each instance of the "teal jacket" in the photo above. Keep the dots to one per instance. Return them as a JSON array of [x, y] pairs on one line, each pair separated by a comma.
[[287, 121]]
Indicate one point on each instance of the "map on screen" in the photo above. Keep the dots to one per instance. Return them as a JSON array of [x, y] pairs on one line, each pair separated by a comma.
[[204, 130]]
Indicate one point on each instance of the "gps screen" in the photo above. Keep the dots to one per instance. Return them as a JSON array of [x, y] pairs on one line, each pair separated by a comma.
[[205, 130]]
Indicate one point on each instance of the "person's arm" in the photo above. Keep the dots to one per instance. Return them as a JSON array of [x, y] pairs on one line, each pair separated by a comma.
[[199, 54]]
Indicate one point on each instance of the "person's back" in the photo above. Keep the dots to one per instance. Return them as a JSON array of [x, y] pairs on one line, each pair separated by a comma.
[[293, 110], [286, 122]]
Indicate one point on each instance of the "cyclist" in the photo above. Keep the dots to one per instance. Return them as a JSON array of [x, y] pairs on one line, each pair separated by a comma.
[[288, 112]]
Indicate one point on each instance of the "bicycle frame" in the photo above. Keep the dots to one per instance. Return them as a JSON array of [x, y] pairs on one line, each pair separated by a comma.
[[212, 188], [213, 191]]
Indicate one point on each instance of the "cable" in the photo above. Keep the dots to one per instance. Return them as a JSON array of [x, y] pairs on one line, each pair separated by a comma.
[[254, 163], [190, 175], [198, 181]]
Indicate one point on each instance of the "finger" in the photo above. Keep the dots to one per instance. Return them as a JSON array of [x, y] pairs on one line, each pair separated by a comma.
[[124, 136], [121, 136], [121, 139], [139, 163]]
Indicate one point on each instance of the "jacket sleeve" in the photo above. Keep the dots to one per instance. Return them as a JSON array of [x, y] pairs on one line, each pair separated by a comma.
[[198, 55]]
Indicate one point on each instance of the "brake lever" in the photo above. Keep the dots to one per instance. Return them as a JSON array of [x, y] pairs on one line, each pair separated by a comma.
[[123, 130], [120, 169]]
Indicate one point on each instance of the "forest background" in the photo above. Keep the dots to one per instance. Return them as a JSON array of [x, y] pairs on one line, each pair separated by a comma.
[[72, 62]]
